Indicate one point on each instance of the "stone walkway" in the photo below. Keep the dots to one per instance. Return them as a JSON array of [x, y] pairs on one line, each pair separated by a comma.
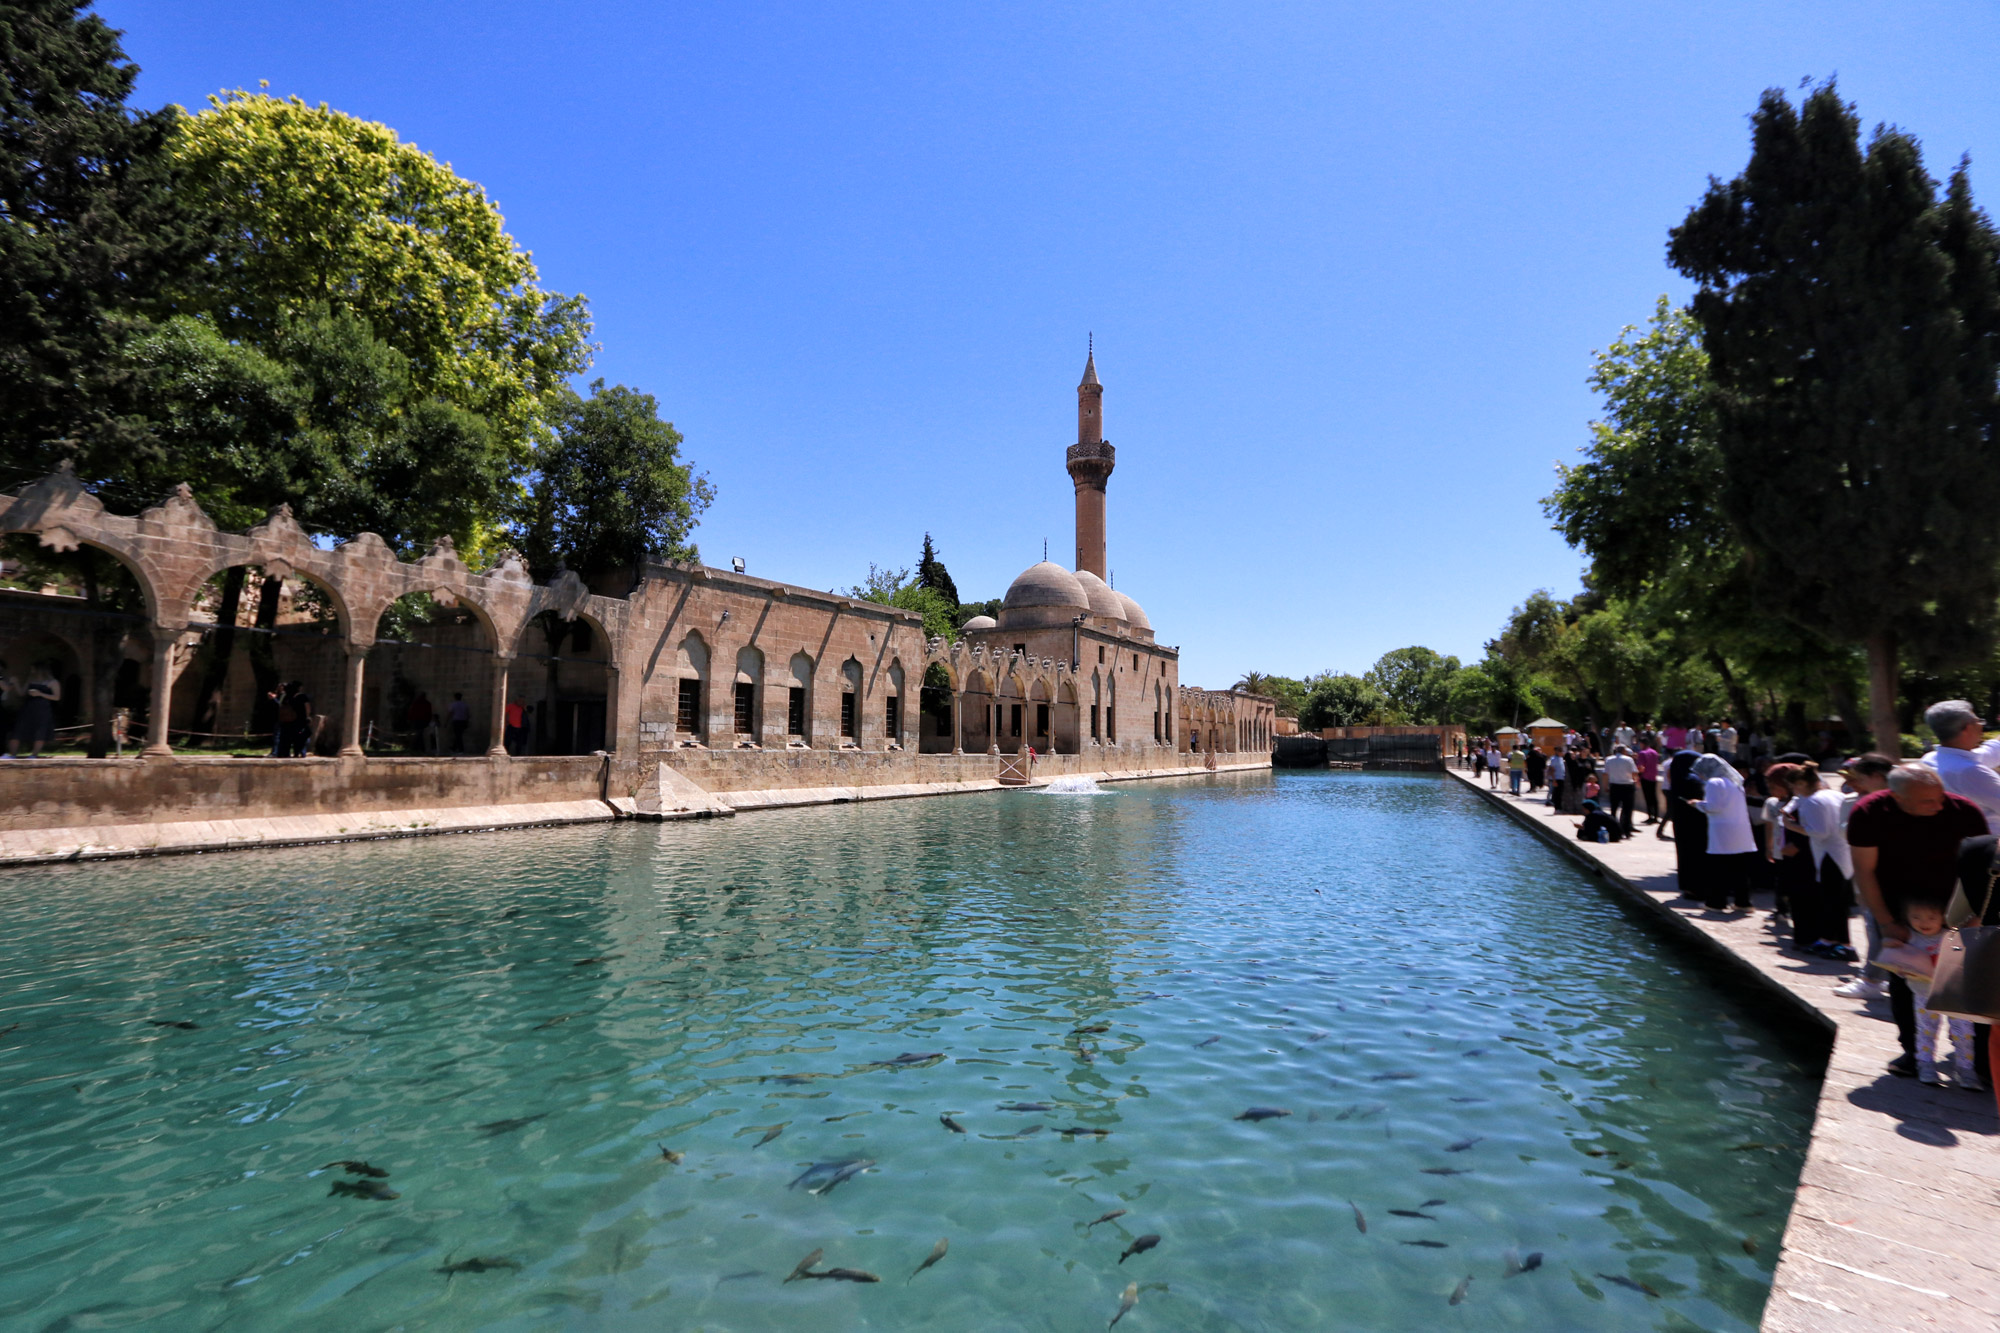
[[1896, 1225]]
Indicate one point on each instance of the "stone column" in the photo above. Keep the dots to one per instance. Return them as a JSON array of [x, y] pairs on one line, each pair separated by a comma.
[[350, 721], [610, 707], [957, 722], [163, 691], [497, 737]]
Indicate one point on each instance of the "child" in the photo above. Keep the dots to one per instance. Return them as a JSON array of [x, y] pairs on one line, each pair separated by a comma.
[[1926, 923]]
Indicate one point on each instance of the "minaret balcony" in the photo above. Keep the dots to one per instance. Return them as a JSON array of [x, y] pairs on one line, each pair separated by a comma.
[[1100, 449]]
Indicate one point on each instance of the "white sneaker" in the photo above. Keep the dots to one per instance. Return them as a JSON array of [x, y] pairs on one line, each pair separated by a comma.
[[1861, 988]]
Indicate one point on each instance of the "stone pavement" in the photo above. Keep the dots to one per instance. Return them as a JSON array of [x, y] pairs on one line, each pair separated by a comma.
[[1896, 1225]]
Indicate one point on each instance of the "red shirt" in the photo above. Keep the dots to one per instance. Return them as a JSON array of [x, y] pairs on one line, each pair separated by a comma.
[[514, 715], [1916, 855]]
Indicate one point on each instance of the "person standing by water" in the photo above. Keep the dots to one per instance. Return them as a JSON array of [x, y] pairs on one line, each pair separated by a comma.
[[1821, 909], [1731, 846], [1538, 768], [1648, 760], [35, 724], [1690, 826], [1558, 775], [1864, 775], [459, 714], [1517, 768], [1621, 778]]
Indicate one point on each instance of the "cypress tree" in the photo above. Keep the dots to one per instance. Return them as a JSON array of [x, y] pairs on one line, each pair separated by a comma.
[[932, 574], [90, 235], [1852, 324]]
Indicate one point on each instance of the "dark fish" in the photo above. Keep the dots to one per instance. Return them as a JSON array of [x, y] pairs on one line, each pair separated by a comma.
[[804, 1264], [493, 1128], [1210, 1042], [937, 1253], [1597, 1152], [670, 1156], [909, 1058], [1139, 1246], [1085, 1129], [363, 1189], [1025, 1106], [1446, 1171], [844, 1275], [789, 1080], [1477, 1050], [823, 1176], [1463, 1144], [1360, 1219], [769, 1134], [1002, 1138], [1410, 1212], [9, 1028], [1629, 1283], [1125, 1303], [1426, 1244], [180, 1023], [603, 958], [1468, 1099], [1749, 1246], [510, 914], [1399, 1073], [1263, 1113], [951, 1124], [358, 1169], [1513, 1265], [1458, 1293], [1431, 1203], [1317, 1036], [1091, 1030], [1111, 1216], [843, 1116], [478, 1266], [738, 1277], [557, 1021], [1741, 1147]]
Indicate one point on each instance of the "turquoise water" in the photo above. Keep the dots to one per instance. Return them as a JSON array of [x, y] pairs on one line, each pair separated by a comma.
[[1381, 955]]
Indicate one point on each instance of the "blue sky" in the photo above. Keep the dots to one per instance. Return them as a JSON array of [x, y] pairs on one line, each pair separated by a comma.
[[1345, 264]]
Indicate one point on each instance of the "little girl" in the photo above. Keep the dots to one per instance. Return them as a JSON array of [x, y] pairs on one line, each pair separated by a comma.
[[1926, 923]]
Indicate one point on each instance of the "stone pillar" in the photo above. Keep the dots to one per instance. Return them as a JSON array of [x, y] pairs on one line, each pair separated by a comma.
[[163, 691], [350, 720], [957, 722], [497, 737], [611, 707]]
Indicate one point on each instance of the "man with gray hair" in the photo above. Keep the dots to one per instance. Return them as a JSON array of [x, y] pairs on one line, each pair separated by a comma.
[[1965, 760]]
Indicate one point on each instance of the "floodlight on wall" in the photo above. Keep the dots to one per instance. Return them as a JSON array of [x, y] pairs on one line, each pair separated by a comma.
[[736, 563]]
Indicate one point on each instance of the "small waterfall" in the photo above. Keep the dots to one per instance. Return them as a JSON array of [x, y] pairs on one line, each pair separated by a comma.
[[1074, 787]]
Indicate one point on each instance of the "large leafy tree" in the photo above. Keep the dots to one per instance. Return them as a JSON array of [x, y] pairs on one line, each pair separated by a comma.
[[1851, 318], [610, 489], [1336, 699], [92, 236], [1415, 682]]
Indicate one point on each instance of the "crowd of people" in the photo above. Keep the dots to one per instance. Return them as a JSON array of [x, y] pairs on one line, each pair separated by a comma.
[[1829, 838]]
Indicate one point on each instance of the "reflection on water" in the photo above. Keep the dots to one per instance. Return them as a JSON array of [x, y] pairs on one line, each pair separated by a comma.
[[514, 1027]]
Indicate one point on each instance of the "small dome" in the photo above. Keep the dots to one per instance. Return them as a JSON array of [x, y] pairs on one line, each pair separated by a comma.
[[1104, 603], [1134, 616], [979, 623], [1045, 594]]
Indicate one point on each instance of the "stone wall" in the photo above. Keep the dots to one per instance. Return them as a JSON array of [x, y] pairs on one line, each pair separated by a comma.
[[746, 770]]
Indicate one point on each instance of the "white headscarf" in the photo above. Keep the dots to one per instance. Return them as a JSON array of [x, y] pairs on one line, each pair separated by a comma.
[[1715, 766]]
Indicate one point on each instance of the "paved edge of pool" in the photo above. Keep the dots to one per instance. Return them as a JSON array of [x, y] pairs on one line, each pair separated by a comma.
[[1898, 1206], [111, 842]]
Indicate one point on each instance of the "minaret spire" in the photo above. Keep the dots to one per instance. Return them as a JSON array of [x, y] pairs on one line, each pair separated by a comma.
[[1091, 459]]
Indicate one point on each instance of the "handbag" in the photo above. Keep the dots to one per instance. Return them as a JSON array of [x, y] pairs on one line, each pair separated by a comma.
[[1966, 983]]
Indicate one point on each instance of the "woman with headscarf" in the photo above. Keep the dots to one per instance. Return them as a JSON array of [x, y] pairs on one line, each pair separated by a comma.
[[1731, 846]]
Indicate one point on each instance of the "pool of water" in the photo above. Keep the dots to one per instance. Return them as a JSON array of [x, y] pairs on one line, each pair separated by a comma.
[[513, 1025]]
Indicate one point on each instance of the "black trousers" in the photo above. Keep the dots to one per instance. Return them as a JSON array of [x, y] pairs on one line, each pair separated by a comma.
[[1821, 907], [1690, 848], [1650, 789], [1727, 879], [1621, 795]]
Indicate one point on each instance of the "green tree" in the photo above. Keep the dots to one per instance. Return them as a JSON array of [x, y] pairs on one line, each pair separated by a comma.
[[932, 574], [1852, 324], [1290, 694], [895, 587], [1335, 699], [1415, 683], [92, 236], [610, 489]]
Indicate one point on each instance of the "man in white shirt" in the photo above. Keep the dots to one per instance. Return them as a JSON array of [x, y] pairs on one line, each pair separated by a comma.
[[1625, 736], [1725, 740], [1964, 758], [1621, 779]]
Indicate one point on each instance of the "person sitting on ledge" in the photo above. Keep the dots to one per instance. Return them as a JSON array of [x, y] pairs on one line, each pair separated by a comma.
[[1597, 825]]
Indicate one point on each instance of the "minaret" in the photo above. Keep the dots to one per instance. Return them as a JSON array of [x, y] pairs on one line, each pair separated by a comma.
[[1090, 464]]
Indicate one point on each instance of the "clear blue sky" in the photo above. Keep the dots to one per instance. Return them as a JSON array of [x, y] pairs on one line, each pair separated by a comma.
[[1346, 264]]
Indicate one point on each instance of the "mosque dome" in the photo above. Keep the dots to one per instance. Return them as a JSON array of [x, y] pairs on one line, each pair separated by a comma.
[[1045, 594], [979, 623], [1134, 616], [1104, 603]]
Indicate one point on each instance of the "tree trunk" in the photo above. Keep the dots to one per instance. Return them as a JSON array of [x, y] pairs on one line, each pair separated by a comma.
[[1739, 698], [263, 652], [1882, 671], [208, 715], [107, 651]]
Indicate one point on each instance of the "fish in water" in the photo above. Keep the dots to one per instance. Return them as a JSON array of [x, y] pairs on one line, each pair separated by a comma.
[[1632, 1284], [738, 1277], [1125, 1303], [1002, 1138], [908, 1058], [1111, 1216], [1139, 1246], [1317, 1036], [1210, 1042], [1410, 1212], [1263, 1113], [951, 1124], [1749, 1246], [1087, 1055], [1393, 1074], [1360, 1218], [843, 1116], [1749, 1147], [1085, 1129], [804, 1265], [1458, 1293], [363, 1189], [358, 1169], [769, 1134], [1468, 1099], [1447, 1171], [180, 1023], [1477, 1050], [937, 1253], [1426, 1244], [478, 1266], [557, 1021], [602, 958], [789, 1080], [494, 1128], [1025, 1106], [1463, 1144], [1092, 1030], [844, 1275], [1513, 1265], [823, 1176], [1431, 1203], [669, 1156]]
